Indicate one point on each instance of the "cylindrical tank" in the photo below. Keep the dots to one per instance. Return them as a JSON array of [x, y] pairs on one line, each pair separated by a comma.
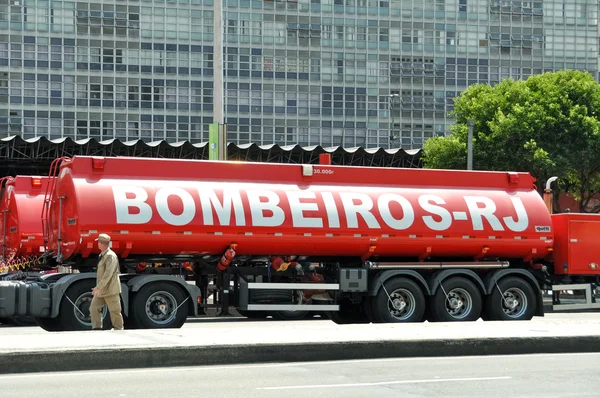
[[172, 207], [21, 225]]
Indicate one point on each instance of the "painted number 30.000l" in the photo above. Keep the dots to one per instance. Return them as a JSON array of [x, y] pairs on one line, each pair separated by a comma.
[[323, 171]]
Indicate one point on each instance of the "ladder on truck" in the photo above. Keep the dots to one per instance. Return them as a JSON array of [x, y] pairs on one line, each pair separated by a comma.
[[48, 200]]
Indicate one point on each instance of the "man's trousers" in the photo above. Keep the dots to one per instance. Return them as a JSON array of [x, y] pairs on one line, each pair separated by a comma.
[[113, 303]]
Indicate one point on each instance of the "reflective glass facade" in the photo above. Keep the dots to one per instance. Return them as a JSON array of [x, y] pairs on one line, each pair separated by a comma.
[[329, 72]]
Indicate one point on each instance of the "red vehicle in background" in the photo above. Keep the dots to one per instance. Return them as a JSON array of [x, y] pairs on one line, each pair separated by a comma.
[[22, 237], [360, 244]]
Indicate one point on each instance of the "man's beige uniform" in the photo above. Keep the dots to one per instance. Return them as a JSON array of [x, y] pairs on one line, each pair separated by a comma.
[[110, 290]]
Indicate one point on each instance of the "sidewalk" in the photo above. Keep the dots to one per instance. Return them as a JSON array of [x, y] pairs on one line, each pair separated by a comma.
[[238, 340]]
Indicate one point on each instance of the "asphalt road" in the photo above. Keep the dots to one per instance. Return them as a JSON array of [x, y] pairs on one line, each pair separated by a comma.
[[564, 375]]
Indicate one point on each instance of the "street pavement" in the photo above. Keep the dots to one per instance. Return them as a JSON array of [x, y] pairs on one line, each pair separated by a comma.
[[546, 375], [228, 331], [226, 341]]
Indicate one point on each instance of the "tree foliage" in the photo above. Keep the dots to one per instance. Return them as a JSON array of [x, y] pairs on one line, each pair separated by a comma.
[[547, 125]]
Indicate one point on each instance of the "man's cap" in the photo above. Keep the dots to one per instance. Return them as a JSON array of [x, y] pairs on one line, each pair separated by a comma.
[[104, 238]]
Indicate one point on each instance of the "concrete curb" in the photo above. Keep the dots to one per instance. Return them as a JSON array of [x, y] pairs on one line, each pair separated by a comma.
[[128, 358]]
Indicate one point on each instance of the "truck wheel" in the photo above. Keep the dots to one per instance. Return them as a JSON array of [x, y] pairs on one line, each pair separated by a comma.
[[368, 309], [49, 324], [253, 314], [460, 302], [399, 300], [23, 321], [348, 313], [74, 312], [271, 296], [129, 322], [290, 315], [346, 318], [516, 303], [155, 306], [293, 315]]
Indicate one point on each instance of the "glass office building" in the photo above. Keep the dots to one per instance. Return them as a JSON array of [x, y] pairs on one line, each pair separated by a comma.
[[329, 72]]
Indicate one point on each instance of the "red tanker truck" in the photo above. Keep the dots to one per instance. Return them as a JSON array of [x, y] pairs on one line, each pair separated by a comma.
[[360, 244]]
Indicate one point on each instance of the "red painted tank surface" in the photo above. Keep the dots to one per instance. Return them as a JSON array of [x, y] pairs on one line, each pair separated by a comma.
[[21, 206], [162, 206]]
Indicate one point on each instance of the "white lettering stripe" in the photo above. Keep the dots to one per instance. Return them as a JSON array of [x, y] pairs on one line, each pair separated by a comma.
[[165, 212], [361, 208], [231, 199], [460, 216]]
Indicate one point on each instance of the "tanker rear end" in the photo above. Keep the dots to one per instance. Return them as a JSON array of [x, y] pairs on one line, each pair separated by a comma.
[[575, 265], [577, 249], [22, 236]]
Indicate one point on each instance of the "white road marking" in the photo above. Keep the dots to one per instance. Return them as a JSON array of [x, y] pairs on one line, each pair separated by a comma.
[[384, 383], [280, 365]]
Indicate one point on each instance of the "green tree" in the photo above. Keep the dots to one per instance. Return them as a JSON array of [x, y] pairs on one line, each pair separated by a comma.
[[547, 125]]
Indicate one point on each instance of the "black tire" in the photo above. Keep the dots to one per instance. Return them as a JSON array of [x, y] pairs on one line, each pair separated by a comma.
[[129, 322], [402, 290], [80, 294], [463, 303], [368, 309], [271, 296], [24, 321], [294, 315], [146, 311], [290, 315], [49, 324], [349, 313], [253, 314], [514, 289]]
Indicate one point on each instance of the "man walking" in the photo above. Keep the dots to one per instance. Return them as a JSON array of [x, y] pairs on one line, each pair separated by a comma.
[[108, 287]]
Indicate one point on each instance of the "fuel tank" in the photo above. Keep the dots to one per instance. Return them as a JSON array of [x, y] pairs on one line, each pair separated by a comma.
[[174, 207], [21, 207]]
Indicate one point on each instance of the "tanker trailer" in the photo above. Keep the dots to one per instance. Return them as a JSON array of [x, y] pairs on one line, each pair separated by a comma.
[[362, 244]]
